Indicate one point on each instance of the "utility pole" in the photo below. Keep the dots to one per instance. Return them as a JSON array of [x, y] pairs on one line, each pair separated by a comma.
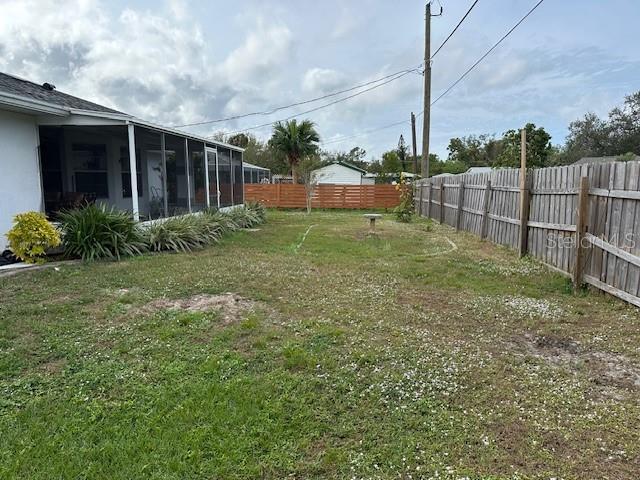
[[413, 139], [424, 163]]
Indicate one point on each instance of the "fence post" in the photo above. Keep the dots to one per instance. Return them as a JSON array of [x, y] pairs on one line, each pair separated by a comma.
[[485, 210], [441, 201], [581, 228], [525, 200], [429, 198], [278, 195], [524, 195], [460, 205]]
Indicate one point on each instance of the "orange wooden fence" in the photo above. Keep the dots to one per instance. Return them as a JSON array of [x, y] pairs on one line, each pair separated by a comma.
[[325, 196]]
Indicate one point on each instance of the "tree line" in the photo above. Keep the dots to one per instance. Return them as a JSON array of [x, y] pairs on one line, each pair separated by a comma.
[[616, 135]]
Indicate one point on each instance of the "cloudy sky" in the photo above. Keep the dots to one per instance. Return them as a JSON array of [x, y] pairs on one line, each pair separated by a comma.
[[184, 61]]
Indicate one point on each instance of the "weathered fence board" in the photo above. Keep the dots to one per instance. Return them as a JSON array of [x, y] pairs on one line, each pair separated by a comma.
[[325, 196], [488, 205]]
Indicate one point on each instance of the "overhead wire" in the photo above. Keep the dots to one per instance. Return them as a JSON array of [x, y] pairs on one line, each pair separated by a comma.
[[469, 70], [325, 105], [297, 104]]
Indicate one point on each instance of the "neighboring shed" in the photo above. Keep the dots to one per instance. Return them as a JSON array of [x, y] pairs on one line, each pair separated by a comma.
[[342, 173]]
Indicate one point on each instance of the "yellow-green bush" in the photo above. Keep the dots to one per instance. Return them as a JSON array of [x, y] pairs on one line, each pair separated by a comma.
[[31, 236]]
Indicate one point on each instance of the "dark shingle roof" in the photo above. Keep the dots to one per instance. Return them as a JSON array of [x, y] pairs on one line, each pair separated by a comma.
[[348, 165], [24, 88]]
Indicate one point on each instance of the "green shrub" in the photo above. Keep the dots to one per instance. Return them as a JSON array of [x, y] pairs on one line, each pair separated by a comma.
[[258, 208], [183, 234], [93, 232], [31, 236], [404, 211], [224, 220], [244, 218]]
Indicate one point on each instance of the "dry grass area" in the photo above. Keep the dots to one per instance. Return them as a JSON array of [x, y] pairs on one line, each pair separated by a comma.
[[419, 353]]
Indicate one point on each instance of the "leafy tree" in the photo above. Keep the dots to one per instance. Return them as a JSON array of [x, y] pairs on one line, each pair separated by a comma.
[[391, 162], [355, 156], [402, 153], [588, 137], [264, 155], [295, 140], [438, 166], [474, 150], [539, 147], [239, 140], [592, 136], [624, 124]]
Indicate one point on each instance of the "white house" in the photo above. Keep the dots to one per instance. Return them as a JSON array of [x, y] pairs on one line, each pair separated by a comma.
[[58, 151], [343, 173]]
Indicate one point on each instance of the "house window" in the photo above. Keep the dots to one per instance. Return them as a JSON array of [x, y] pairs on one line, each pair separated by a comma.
[[125, 168], [89, 164]]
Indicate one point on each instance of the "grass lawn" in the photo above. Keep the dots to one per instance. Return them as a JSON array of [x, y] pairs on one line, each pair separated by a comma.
[[344, 356]]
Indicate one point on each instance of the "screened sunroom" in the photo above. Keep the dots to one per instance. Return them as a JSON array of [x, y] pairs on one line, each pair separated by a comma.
[[255, 174], [150, 171]]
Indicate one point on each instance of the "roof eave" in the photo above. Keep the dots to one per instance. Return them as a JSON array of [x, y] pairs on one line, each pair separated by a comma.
[[32, 105], [180, 133]]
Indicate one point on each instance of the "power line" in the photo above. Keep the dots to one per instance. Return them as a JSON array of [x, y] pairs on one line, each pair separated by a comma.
[[456, 28], [462, 76], [326, 104], [296, 104], [367, 132], [486, 54]]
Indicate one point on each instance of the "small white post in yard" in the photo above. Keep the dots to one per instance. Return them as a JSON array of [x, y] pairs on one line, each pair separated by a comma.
[[134, 172]]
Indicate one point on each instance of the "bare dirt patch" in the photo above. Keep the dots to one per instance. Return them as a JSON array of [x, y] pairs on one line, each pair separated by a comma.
[[603, 368], [231, 306]]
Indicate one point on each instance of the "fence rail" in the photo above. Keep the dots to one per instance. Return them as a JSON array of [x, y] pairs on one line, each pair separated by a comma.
[[582, 220], [325, 196]]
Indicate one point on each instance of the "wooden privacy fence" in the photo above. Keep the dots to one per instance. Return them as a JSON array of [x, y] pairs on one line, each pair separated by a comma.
[[582, 220], [325, 196]]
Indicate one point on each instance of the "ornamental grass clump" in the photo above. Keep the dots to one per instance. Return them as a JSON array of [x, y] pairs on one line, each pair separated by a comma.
[[96, 231], [258, 208], [31, 236], [183, 234]]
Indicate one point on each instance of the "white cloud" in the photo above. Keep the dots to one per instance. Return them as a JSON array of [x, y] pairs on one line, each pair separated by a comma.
[[323, 80]]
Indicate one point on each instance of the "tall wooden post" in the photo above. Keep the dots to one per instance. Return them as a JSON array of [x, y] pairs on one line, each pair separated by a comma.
[[415, 147], [524, 194], [460, 205], [442, 201], [581, 229], [424, 167], [485, 210]]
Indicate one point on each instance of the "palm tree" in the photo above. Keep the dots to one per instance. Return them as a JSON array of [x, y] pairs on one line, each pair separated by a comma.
[[295, 140]]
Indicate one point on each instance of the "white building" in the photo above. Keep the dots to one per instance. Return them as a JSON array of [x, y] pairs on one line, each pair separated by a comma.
[[343, 173], [58, 152]]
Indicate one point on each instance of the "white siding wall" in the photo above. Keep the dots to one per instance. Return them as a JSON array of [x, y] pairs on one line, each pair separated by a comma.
[[20, 186], [338, 174], [368, 181]]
